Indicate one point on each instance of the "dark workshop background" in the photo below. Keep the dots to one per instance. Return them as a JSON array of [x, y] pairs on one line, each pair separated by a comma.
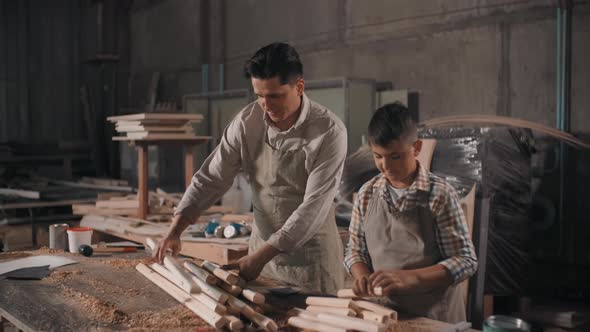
[[492, 57]]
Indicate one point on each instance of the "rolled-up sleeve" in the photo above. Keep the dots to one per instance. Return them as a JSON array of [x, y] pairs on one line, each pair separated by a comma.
[[321, 188], [216, 174], [356, 250], [453, 237]]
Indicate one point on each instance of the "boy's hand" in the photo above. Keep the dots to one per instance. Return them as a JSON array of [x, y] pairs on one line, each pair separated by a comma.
[[361, 286], [394, 281]]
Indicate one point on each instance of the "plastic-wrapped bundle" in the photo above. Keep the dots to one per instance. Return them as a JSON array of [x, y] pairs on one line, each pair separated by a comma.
[[498, 161]]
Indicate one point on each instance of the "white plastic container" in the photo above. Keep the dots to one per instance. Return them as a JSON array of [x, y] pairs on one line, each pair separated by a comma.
[[78, 236]]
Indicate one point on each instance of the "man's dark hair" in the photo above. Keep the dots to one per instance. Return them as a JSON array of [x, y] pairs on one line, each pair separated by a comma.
[[276, 59], [392, 122]]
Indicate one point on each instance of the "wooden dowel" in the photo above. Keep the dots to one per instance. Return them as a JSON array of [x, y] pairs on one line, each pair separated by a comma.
[[332, 310], [373, 316], [377, 308], [351, 323], [253, 296], [227, 276], [349, 293], [201, 297], [212, 318], [330, 302], [211, 290], [235, 324], [200, 273], [232, 289], [314, 325], [181, 275]]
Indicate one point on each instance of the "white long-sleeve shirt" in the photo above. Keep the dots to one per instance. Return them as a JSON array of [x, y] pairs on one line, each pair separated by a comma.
[[317, 131]]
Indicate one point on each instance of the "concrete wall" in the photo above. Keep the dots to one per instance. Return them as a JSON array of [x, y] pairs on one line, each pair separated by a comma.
[[462, 56]]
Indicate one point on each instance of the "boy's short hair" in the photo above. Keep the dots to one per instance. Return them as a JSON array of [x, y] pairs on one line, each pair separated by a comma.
[[276, 59], [393, 122]]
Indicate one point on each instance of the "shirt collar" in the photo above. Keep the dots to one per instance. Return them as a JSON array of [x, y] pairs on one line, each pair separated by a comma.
[[305, 106], [421, 182]]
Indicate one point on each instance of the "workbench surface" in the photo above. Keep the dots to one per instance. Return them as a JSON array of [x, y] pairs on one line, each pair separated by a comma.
[[105, 292]]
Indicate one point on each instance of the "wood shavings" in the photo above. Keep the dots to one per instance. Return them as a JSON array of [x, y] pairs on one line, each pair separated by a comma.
[[125, 263], [13, 255], [46, 250], [60, 277], [97, 310], [177, 317]]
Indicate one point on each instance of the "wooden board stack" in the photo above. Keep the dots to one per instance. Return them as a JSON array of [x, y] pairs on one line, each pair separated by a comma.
[[121, 204], [202, 288], [342, 314], [155, 126]]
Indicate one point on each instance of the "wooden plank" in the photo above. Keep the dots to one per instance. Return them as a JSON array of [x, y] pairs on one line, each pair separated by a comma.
[[20, 193], [27, 205], [156, 116], [189, 165], [215, 252], [90, 186], [211, 317], [118, 204], [157, 135], [20, 325], [149, 128], [142, 183], [191, 140]]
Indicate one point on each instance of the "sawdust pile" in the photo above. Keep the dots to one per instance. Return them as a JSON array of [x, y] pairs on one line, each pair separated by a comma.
[[5, 256], [96, 310], [121, 263], [106, 287], [59, 277], [176, 317], [46, 250]]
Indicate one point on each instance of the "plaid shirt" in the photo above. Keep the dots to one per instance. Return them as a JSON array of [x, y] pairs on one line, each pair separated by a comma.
[[451, 230]]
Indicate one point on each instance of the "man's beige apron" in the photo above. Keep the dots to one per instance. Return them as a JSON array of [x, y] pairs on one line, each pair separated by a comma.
[[406, 240], [278, 181]]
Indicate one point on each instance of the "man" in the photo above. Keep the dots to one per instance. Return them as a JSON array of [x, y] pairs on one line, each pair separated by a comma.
[[293, 151]]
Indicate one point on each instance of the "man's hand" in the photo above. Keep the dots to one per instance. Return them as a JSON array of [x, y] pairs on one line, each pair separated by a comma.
[[172, 242], [251, 265], [394, 281]]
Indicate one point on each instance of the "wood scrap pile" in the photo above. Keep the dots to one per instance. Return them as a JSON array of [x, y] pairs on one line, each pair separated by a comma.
[[219, 297], [146, 126], [343, 314], [122, 204]]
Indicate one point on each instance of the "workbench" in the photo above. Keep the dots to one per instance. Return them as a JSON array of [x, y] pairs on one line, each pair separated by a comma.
[[105, 292]]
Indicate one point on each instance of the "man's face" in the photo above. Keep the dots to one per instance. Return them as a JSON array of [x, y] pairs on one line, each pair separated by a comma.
[[280, 101], [397, 160]]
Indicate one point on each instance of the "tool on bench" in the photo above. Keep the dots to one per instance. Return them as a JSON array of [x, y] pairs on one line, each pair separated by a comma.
[[87, 250]]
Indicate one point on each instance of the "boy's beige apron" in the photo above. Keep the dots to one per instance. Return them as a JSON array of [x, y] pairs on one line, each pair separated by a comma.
[[278, 181], [406, 240]]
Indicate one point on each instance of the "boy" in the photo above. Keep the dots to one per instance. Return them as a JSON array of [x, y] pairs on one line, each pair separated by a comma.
[[408, 233]]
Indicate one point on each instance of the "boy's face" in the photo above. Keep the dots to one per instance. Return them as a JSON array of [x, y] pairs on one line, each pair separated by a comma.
[[397, 161]]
